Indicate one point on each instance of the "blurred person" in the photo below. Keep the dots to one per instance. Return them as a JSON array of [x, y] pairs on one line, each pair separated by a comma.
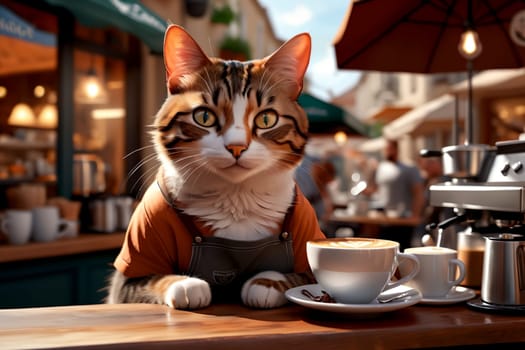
[[432, 173], [397, 187], [324, 174], [313, 178]]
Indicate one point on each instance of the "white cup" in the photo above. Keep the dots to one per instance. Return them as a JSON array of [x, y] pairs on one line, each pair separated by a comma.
[[70, 228], [356, 270], [47, 224], [16, 224], [124, 210], [437, 271]]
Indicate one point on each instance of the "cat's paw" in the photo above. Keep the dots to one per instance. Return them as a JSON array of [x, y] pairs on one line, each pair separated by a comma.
[[265, 290], [188, 293]]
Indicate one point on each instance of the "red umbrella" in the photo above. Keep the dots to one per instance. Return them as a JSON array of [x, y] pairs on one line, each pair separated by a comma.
[[422, 36]]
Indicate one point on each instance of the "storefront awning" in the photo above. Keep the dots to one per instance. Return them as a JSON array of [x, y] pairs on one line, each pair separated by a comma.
[[491, 81], [441, 110], [128, 15], [375, 145], [328, 118], [30, 49]]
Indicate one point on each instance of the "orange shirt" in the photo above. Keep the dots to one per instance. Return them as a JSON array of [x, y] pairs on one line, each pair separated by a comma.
[[157, 242]]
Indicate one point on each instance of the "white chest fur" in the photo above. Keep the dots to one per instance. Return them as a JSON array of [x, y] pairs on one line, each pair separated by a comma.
[[247, 211]]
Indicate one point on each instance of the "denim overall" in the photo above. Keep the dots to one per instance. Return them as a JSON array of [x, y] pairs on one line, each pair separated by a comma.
[[226, 264]]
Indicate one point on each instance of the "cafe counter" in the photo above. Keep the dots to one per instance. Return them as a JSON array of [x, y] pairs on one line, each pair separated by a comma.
[[231, 326], [68, 271], [83, 243]]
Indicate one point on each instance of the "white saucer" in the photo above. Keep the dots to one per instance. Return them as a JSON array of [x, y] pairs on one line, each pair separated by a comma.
[[456, 295], [295, 295]]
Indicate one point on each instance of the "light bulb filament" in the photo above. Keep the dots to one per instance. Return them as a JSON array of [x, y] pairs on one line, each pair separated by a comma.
[[469, 45]]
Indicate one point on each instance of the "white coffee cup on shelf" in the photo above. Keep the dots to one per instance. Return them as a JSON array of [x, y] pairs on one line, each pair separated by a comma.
[[437, 273], [71, 228], [16, 224], [124, 209], [356, 270], [47, 224]]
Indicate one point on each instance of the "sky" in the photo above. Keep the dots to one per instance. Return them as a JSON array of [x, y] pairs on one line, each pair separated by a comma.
[[322, 19]]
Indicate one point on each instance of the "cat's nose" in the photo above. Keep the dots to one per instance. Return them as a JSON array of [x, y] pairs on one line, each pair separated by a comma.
[[236, 150]]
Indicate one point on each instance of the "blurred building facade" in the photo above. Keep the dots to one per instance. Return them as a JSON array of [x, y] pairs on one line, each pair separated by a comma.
[[53, 48]]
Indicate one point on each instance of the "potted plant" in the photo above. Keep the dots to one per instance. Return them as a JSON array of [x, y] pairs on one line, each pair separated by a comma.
[[222, 15], [235, 48]]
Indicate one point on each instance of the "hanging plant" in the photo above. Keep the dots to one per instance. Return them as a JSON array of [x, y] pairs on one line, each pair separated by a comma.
[[235, 48], [224, 15]]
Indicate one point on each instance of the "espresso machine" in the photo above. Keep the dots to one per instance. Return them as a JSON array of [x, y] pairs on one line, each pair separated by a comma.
[[487, 190]]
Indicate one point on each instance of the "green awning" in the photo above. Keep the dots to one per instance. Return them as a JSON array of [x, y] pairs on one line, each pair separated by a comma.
[[128, 15], [328, 118]]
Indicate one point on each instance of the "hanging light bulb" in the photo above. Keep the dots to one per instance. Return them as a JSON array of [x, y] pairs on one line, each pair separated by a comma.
[[48, 117], [340, 138], [92, 87], [21, 115], [469, 45]]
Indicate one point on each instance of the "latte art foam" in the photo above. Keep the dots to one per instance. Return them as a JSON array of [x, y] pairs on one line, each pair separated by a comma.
[[355, 243]]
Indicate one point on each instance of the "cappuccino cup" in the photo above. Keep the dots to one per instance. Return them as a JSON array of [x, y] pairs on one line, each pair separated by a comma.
[[356, 270], [47, 224], [16, 224], [437, 272]]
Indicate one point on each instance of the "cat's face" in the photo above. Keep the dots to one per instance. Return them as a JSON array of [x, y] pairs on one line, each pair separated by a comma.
[[233, 119]]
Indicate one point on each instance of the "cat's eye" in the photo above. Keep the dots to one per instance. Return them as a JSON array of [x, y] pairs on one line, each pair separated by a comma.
[[266, 119], [204, 117]]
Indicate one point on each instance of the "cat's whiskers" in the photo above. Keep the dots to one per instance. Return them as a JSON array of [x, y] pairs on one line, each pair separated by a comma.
[[140, 149], [274, 84], [147, 173], [143, 161], [187, 171], [188, 167], [265, 80], [206, 82], [264, 83]]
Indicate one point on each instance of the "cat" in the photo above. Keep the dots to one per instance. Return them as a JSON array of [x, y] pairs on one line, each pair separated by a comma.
[[224, 216]]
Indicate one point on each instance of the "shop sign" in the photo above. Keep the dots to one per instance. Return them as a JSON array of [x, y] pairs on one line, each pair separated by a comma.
[[15, 27]]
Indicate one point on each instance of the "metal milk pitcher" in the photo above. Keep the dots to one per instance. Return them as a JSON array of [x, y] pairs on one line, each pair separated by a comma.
[[503, 281]]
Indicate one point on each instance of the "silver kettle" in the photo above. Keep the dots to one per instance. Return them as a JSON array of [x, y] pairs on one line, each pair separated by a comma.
[[503, 280], [89, 175]]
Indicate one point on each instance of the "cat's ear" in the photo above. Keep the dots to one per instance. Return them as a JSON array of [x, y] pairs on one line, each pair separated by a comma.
[[182, 55], [291, 60]]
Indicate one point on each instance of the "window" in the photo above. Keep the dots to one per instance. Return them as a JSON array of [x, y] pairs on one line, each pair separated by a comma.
[[28, 95]]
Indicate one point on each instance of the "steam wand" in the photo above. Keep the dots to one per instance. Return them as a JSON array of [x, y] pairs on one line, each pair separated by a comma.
[[443, 225]]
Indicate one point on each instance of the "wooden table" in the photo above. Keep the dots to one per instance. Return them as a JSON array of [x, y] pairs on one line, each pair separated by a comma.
[[141, 326]]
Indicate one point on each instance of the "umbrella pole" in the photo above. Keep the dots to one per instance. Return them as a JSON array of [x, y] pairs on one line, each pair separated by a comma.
[[455, 122], [470, 118]]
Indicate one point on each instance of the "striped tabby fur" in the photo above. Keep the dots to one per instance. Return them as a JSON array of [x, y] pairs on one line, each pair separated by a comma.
[[229, 137]]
